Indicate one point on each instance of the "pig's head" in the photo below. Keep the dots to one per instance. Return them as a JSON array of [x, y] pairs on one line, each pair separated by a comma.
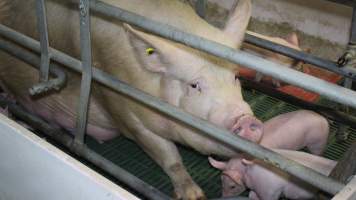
[[231, 176], [198, 83]]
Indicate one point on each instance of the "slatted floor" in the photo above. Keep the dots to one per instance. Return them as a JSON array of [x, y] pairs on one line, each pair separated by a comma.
[[129, 156]]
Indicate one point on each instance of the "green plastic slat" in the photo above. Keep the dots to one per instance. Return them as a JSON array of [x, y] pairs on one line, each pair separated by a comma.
[[129, 156]]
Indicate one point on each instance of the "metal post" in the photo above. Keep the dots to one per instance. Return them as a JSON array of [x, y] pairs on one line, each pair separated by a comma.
[[200, 7], [85, 44], [45, 84], [102, 163], [225, 137], [353, 26], [43, 32]]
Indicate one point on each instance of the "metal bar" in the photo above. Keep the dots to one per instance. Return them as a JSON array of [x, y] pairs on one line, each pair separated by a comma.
[[102, 163], [85, 44], [327, 112], [266, 67], [43, 32], [200, 7], [298, 55], [33, 60], [237, 143], [353, 27]]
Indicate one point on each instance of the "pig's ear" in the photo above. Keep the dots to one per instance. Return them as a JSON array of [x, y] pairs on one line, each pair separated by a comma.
[[149, 49], [247, 162], [217, 164], [238, 20], [293, 39]]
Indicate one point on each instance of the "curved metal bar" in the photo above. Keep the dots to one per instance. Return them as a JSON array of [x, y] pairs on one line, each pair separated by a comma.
[[57, 83]]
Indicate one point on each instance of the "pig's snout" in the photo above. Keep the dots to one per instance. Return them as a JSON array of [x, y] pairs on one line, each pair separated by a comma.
[[248, 127]]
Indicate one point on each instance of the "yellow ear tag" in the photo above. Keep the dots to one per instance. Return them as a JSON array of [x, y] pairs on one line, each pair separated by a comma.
[[150, 51]]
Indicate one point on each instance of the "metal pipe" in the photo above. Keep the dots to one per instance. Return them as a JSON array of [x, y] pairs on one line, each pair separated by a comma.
[[85, 88], [102, 163], [34, 61], [235, 142], [353, 27], [298, 55], [43, 32], [327, 112], [332, 91], [200, 7], [45, 84]]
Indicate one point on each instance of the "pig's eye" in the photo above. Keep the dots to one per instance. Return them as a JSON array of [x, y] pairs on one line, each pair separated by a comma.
[[150, 51], [195, 86], [233, 187]]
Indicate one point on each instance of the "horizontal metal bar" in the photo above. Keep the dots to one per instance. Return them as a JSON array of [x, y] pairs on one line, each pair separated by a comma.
[[85, 48], [236, 142], [100, 162], [34, 61], [329, 90], [299, 55], [43, 32], [327, 112]]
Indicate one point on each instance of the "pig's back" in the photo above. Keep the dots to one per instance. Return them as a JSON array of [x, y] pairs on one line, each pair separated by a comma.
[[320, 164]]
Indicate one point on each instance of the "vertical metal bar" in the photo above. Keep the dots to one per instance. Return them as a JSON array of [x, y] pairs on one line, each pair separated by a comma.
[[85, 45], [353, 27], [43, 32], [200, 7]]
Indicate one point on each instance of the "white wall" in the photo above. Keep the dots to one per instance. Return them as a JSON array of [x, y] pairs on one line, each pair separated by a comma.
[[32, 169]]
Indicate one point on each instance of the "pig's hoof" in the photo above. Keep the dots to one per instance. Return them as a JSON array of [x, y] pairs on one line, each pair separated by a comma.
[[189, 191]]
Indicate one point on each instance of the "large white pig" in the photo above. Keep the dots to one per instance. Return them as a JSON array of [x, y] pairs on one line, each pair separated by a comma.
[[196, 82]]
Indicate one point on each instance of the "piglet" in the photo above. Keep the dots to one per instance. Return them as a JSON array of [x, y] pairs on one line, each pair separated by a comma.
[[294, 131], [269, 183]]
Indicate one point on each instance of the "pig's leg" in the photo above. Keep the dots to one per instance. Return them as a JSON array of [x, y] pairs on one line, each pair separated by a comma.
[[253, 196], [166, 154], [318, 134]]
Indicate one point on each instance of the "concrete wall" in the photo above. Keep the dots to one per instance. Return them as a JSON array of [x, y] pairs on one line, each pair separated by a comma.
[[320, 18]]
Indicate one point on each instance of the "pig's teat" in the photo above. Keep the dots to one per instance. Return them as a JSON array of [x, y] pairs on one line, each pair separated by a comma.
[[248, 127]]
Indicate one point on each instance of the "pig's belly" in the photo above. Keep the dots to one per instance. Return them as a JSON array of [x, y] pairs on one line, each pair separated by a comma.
[[99, 124]]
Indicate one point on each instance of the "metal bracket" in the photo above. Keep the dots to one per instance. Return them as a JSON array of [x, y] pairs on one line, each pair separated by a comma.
[[45, 84]]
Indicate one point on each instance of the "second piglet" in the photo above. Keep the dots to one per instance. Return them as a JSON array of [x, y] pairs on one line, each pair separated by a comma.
[[269, 183]]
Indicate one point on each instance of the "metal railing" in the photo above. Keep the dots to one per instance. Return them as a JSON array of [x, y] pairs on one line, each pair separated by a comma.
[[334, 92]]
